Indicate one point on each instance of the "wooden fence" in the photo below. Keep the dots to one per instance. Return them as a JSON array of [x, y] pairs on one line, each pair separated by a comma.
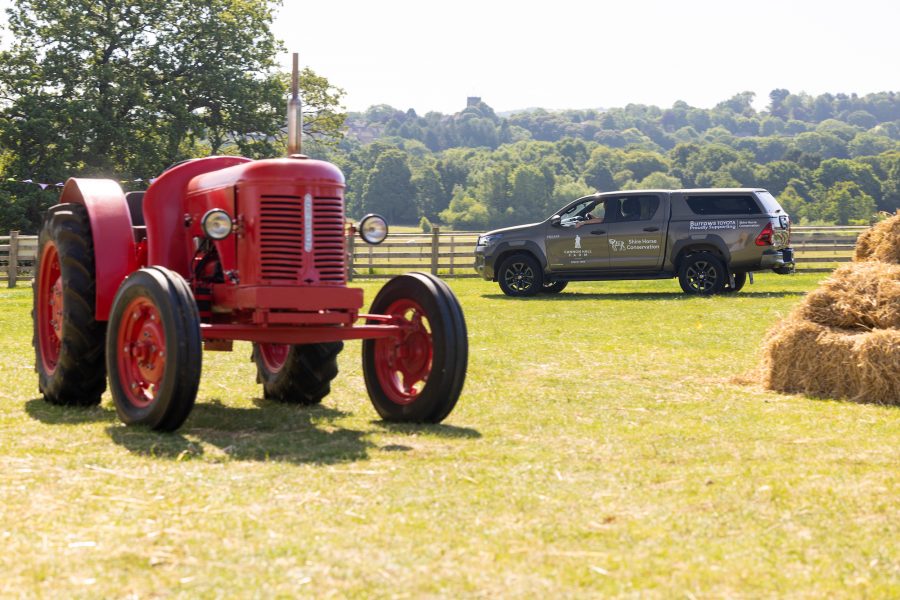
[[450, 254]]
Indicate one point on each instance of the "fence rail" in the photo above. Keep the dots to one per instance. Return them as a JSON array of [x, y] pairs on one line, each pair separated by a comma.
[[450, 254]]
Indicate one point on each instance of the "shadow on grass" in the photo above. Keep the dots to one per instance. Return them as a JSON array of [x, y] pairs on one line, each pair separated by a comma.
[[570, 296], [438, 430], [54, 414], [276, 432]]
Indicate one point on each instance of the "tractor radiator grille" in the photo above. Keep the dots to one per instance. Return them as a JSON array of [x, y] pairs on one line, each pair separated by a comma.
[[282, 229], [328, 240]]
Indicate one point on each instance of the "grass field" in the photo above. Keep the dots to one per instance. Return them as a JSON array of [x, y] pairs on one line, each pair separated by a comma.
[[600, 448]]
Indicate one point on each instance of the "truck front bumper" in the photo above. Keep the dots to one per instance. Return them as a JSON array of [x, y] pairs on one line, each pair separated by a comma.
[[483, 267], [781, 261]]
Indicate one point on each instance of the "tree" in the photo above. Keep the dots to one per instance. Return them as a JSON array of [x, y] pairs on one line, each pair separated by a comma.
[[430, 195], [847, 204], [123, 89], [530, 193], [389, 190]]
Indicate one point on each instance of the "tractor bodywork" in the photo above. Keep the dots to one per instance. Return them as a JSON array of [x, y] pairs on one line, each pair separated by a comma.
[[277, 278]]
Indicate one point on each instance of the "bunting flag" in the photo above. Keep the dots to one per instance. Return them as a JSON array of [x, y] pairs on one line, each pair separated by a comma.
[[60, 184]]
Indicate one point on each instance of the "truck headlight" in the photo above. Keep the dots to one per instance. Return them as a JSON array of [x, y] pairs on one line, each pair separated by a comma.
[[489, 239], [373, 229], [216, 224]]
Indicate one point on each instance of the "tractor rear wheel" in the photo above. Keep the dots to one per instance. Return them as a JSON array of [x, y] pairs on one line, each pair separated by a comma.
[[153, 349], [296, 374], [68, 340], [418, 376]]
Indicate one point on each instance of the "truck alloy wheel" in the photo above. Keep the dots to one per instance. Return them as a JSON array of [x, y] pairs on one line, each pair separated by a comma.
[[153, 349], [419, 375], [702, 273], [520, 275], [68, 340]]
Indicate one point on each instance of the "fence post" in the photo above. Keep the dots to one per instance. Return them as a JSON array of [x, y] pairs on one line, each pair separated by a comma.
[[12, 270], [435, 248], [351, 247], [452, 252]]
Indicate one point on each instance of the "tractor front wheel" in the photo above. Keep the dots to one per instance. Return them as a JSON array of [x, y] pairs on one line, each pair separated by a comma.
[[418, 375], [296, 374], [153, 349], [68, 340]]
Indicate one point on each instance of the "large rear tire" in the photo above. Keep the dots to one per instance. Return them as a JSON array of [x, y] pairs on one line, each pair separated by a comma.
[[296, 374], [153, 349], [68, 340], [419, 376]]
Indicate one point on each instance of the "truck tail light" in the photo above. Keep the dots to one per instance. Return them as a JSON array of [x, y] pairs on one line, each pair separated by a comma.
[[766, 236]]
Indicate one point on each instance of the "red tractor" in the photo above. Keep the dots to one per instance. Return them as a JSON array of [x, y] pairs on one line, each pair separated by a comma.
[[135, 286]]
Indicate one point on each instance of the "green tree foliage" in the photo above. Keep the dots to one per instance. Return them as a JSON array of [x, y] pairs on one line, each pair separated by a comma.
[[123, 89], [847, 204], [389, 189]]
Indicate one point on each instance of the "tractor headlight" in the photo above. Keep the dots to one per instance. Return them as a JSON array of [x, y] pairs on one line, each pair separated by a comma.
[[373, 229], [216, 224]]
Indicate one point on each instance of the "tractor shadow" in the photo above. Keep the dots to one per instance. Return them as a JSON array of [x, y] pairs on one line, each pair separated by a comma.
[[679, 296], [54, 414], [270, 432]]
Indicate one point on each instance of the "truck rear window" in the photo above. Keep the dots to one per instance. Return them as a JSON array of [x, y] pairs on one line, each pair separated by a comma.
[[723, 205]]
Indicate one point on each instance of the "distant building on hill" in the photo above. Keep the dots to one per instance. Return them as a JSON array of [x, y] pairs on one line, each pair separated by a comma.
[[473, 100]]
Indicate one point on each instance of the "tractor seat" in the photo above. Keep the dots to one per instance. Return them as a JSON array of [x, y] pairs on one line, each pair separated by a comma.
[[135, 202]]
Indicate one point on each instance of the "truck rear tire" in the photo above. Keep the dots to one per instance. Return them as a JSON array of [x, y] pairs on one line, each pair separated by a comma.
[[520, 275], [154, 353], [296, 374], [68, 340], [419, 376], [702, 274], [739, 280], [554, 287]]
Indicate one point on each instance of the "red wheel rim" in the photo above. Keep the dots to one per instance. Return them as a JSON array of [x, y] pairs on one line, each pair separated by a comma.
[[273, 356], [403, 365], [141, 352], [50, 307]]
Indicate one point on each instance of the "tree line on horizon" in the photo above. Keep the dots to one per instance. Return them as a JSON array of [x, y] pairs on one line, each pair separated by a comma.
[[123, 90], [830, 159]]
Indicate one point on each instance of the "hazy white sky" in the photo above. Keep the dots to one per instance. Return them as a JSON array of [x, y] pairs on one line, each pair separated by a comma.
[[590, 53], [586, 54]]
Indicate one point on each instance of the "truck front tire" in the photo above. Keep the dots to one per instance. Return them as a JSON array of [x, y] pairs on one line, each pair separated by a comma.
[[520, 275]]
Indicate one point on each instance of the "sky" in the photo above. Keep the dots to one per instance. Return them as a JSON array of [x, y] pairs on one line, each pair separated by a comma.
[[558, 54], [591, 53]]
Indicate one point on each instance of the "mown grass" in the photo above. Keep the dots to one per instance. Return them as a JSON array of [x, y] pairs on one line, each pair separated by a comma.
[[600, 448]]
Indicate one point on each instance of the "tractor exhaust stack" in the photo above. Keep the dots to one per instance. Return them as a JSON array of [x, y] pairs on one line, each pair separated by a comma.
[[295, 112]]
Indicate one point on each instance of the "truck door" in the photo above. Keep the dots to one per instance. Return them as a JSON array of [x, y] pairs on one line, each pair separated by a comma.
[[576, 241], [636, 229]]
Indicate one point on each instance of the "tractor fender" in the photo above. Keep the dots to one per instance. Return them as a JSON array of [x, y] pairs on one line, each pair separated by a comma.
[[169, 243], [115, 253]]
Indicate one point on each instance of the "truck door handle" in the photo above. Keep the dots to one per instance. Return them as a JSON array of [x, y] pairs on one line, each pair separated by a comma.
[[651, 228], [598, 232]]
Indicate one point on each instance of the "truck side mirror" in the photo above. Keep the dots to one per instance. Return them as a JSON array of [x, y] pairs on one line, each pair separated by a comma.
[[554, 220]]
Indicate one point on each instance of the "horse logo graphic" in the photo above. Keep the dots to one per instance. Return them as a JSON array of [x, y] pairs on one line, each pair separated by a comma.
[[616, 245], [578, 242]]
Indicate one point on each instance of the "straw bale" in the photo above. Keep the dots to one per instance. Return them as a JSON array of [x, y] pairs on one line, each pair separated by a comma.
[[864, 295], [805, 357], [881, 242]]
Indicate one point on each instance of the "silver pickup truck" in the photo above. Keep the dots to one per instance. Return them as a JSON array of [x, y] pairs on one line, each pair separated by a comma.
[[709, 238]]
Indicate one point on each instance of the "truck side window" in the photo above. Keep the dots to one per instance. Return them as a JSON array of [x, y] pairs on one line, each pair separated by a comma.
[[723, 205], [633, 208]]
